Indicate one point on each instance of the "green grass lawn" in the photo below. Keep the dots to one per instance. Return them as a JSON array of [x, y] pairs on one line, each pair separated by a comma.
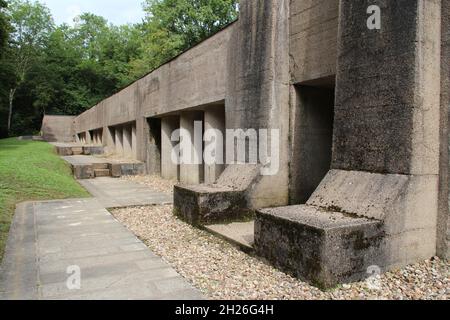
[[31, 170]]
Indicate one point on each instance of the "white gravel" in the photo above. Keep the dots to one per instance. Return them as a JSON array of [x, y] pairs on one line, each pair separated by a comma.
[[221, 271], [154, 182]]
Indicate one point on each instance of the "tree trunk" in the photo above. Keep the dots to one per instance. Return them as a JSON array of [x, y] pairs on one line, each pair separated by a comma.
[[12, 92]]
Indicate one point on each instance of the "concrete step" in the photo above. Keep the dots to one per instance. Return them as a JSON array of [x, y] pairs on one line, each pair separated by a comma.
[[240, 234], [100, 166], [102, 173]]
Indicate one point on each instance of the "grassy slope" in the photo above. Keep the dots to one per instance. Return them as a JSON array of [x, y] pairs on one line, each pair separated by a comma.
[[31, 171]]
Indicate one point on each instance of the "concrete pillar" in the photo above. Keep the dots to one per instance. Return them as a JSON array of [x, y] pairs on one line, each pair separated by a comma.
[[134, 144], [387, 125], [88, 137], [119, 141], [153, 140], [215, 120], [169, 169], [258, 93], [191, 168], [108, 140], [100, 136], [127, 141]]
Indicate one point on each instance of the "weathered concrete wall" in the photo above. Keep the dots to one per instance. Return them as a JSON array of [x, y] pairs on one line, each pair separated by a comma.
[[258, 88], [443, 225], [390, 157], [387, 125], [58, 128], [197, 77], [313, 39]]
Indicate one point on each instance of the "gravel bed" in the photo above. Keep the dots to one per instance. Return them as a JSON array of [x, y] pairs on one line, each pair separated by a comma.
[[221, 271], [156, 183]]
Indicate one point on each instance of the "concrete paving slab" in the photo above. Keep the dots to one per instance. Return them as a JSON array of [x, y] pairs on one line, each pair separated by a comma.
[[241, 234], [117, 193], [113, 263]]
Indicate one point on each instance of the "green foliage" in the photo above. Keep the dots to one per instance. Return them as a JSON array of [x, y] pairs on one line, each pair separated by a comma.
[[4, 27], [173, 26], [64, 70], [31, 171]]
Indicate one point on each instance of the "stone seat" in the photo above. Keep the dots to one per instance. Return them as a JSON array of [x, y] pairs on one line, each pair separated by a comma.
[[225, 201], [203, 205], [323, 247]]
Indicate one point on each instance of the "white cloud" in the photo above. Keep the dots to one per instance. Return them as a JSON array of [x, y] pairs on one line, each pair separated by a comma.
[[72, 12]]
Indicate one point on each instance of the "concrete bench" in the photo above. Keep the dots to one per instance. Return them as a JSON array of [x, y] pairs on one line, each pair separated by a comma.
[[323, 247]]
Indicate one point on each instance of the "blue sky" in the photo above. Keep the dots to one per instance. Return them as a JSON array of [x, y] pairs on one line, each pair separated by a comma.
[[115, 11]]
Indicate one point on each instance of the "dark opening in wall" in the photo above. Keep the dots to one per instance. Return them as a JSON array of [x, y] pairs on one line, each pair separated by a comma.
[[312, 140]]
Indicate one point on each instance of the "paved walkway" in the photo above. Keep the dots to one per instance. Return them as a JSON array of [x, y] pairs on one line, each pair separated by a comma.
[[47, 239], [118, 193]]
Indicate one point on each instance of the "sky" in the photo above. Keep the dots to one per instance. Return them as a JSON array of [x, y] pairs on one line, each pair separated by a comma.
[[115, 11]]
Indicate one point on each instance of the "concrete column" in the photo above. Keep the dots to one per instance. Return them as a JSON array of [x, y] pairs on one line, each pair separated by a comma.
[[153, 149], [127, 141], [88, 137], [215, 120], [119, 141], [108, 139], [258, 93], [169, 169], [387, 125], [191, 171], [134, 144]]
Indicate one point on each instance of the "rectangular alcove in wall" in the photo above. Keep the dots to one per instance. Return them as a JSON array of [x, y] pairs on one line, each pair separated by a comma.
[[311, 138], [124, 140]]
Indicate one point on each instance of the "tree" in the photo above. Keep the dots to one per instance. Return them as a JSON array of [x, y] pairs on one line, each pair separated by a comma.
[[173, 26], [6, 70], [32, 25], [4, 27]]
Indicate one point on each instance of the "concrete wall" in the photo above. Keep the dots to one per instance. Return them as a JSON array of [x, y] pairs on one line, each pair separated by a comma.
[[386, 147], [58, 128], [195, 78], [443, 231], [313, 39], [258, 87]]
